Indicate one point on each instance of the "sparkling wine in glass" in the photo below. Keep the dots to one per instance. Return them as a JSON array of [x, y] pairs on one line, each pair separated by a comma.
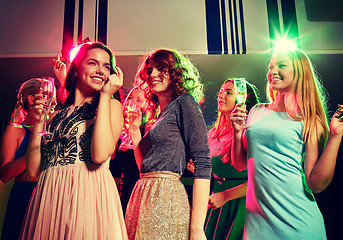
[[48, 91], [130, 105], [240, 90]]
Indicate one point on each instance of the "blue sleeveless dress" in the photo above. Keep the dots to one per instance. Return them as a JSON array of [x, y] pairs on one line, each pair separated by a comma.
[[19, 197], [279, 203]]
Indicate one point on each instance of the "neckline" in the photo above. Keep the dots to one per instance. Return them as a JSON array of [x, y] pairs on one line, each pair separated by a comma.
[[265, 105], [168, 106], [78, 106]]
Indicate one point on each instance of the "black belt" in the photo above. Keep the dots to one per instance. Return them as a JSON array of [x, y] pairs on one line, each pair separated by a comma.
[[215, 177]]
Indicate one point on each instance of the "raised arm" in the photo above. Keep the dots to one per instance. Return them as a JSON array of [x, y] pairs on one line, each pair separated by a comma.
[[60, 70], [33, 152], [320, 166], [238, 152], [109, 120]]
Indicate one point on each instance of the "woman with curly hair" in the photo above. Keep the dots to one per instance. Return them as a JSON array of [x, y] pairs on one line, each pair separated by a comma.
[[159, 207]]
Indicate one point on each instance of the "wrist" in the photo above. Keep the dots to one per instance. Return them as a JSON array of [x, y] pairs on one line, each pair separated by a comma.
[[37, 127], [136, 138], [105, 97], [227, 196], [334, 136], [196, 227], [237, 134]]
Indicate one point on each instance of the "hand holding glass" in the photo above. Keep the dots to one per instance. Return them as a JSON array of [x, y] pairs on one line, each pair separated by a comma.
[[131, 106], [240, 90], [48, 90]]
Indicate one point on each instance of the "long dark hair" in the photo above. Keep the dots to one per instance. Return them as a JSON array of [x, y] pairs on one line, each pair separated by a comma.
[[67, 93]]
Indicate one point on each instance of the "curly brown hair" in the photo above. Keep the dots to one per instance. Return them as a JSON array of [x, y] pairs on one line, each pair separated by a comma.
[[184, 77]]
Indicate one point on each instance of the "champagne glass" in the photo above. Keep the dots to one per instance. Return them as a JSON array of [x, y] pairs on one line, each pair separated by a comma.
[[130, 105], [240, 86], [48, 90], [240, 90]]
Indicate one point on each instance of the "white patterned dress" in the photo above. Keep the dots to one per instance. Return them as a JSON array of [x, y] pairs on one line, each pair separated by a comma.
[[75, 198]]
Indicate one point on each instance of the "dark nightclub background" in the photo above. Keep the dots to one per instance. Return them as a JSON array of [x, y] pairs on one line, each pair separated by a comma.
[[224, 38]]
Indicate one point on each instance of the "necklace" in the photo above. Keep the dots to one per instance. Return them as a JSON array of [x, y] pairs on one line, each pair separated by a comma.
[[20, 125]]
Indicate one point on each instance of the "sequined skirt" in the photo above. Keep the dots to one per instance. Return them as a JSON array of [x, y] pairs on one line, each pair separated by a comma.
[[158, 208]]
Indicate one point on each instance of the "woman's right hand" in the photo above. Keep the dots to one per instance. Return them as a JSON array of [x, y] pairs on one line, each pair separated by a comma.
[[238, 117], [38, 108], [132, 122]]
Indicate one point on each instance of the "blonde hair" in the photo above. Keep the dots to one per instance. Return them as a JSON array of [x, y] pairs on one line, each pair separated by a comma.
[[306, 99], [30, 87]]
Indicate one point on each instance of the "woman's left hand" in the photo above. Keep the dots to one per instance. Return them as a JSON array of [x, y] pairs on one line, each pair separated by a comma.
[[113, 83], [336, 124]]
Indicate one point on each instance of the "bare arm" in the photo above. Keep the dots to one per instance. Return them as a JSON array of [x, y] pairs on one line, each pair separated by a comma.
[[238, 153], [201, 189], [10, 142], [220, 198], [319, 167], [132, 126], [33, 153], [138, 156], [107, 129], [108, 122]]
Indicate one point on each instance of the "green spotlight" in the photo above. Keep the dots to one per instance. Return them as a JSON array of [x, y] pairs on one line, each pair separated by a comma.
[[285, 45]]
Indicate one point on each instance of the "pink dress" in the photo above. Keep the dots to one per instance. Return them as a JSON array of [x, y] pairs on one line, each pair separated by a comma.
[[75, 198]]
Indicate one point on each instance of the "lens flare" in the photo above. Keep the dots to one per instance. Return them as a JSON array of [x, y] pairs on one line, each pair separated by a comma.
[[284, 45], [73, 52]]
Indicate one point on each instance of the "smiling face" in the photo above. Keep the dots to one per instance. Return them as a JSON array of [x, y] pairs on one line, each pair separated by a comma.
[[281, 72], [226, 98], [158, 79], [94, 70]]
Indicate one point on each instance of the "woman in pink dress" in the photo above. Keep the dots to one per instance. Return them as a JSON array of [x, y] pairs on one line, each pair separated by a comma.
[[76, 196]]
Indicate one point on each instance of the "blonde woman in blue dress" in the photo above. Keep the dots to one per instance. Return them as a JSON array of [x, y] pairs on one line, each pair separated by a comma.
[[291, 152]]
